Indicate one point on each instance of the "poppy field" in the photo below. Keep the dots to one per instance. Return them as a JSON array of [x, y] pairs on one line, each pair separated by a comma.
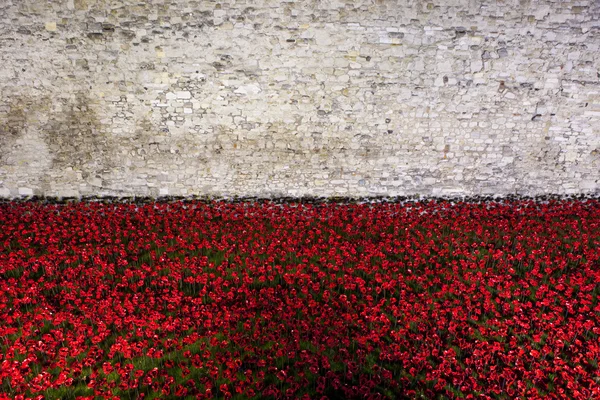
[[190, 299]]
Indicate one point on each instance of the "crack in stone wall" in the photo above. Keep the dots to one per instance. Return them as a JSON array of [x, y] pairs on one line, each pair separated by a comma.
[[292, 98]]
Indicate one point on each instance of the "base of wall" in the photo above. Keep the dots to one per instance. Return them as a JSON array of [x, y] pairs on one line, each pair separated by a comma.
[[303, 200]]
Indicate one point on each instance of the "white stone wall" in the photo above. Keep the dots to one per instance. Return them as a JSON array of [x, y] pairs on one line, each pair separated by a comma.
[[274, 98]]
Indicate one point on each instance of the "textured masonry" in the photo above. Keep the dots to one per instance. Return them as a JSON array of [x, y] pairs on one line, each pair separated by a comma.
[[272, 98]]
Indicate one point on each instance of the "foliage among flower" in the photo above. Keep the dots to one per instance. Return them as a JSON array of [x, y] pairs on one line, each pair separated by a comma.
[[262, 300]]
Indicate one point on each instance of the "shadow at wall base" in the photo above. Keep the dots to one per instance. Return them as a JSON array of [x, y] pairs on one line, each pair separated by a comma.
[[303, 199]]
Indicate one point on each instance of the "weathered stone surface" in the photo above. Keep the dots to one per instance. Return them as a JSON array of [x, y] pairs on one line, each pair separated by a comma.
[[299, 98]]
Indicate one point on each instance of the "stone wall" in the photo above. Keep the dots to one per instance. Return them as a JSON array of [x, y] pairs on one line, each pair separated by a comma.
[[273, 98]]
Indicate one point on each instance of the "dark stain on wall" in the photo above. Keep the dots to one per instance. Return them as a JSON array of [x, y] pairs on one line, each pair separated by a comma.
[[77, 139], [12, 124], [17, 112]]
